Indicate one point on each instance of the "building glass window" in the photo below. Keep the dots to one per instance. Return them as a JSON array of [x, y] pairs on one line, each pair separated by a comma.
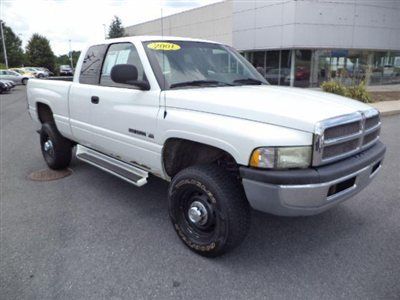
[[396, 67], [273, 65], [302, 69], [258, 61], [345, 66], [324, 68], [285, 65], [320, 70], [356, 66], [385, 68], [272, 70], [313, 67]]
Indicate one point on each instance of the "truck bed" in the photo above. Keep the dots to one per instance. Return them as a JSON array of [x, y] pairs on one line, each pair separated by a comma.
[[53, 93], [61, 78]]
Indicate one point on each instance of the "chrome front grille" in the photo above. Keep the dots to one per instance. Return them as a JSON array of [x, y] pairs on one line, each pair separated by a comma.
[[372, 121], [344, 136], [345, 147], [368, 138], [342, 130]]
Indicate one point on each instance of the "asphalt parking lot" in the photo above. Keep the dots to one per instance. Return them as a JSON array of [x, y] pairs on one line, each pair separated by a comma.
[[94, 236]]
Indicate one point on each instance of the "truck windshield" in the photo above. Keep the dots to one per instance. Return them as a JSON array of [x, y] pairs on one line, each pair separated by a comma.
[[182, 64]]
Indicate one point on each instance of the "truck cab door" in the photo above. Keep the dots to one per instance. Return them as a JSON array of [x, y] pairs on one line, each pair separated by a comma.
[[122, 118]]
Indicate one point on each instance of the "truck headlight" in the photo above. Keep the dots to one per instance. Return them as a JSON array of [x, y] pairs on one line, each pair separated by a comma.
[[281, 157]]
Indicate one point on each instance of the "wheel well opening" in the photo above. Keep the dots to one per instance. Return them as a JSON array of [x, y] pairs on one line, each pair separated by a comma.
[[44, 113], [179, 154]]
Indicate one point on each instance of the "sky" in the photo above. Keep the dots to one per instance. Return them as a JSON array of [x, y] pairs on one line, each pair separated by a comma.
[[81, 21]]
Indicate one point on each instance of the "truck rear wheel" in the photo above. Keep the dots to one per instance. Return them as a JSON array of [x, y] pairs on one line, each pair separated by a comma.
[[208, 209], [56, 150]]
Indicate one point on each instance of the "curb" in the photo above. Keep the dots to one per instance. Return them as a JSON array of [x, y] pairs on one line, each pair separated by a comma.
[[387, 108], [390, 113]]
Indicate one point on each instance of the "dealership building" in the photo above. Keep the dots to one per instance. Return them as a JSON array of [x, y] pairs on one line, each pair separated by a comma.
[[299, 42]]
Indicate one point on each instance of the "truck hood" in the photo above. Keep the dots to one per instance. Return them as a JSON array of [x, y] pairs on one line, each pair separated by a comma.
[[283, 106]]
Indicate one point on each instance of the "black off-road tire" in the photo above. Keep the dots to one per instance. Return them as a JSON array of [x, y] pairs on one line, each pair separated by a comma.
[[61, 153], [227, 209]]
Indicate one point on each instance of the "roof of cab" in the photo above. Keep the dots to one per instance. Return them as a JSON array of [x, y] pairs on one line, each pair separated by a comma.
[[145, 38]]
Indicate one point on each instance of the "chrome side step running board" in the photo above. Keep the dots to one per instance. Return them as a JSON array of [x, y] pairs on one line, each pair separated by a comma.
[[113, 166]]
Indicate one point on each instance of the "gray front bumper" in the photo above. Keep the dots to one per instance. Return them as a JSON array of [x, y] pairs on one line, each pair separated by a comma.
[[292, 199]]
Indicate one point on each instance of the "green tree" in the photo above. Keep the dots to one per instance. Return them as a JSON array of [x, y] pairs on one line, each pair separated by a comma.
[[116, 29], [39, 53], [65, 58], [15, 54]]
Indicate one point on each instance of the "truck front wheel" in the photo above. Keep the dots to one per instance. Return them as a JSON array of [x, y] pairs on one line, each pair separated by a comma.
[[56, 150], [208, 209]]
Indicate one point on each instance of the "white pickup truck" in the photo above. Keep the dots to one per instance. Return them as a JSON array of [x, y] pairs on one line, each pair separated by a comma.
[[197, 114]]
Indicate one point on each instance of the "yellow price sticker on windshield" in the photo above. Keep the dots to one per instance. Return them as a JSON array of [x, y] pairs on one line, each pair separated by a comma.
[[164, 46]]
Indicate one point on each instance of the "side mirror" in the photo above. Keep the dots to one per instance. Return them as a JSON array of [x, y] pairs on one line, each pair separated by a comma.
[[128, 74]]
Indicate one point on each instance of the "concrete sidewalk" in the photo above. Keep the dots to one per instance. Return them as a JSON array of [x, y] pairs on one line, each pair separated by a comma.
[[384, 88], [387, 108]]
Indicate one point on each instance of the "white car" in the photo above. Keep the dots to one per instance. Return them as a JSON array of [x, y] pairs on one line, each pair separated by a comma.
[[15, 77], [200, 116], [37, 72]]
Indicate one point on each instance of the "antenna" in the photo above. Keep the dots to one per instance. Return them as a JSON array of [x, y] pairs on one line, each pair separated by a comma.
[[162, 24], [163, 63]]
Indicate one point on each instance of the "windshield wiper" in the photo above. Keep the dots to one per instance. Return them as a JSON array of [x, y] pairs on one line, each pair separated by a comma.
[[248, 81], [197, 83]]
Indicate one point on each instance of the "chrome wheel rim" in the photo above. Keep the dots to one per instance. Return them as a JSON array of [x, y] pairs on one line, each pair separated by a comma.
[[48, 147], [197, 213]]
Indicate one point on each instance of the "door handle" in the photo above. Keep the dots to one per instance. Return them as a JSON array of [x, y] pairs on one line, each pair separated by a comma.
[[95, 99]]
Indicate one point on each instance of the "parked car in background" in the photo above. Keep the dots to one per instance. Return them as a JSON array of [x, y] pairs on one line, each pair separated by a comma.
[[301, 77], [6, 85], [22, 72], [15, 77], [276, 76], [388, 70], [37, 72], [3, 87], [302, 73], [49, 73], [66, 70], [9, 82]]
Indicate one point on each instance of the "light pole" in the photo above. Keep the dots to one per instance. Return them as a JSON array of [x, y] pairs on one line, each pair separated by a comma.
[[20, 37], [4, 44], [70, 55], [105, 31]]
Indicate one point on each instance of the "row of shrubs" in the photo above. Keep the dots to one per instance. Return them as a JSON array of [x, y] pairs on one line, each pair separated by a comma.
[[357, 92]]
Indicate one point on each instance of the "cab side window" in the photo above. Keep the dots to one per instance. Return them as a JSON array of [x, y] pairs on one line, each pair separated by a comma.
[[91, 66], [122, 53]]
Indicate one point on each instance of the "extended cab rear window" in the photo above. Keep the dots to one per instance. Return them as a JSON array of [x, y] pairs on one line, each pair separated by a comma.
[[91, 66]]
